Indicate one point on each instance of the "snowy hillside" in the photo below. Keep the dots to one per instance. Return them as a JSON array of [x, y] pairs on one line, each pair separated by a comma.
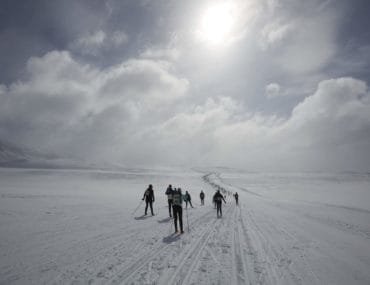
[[87, 227]]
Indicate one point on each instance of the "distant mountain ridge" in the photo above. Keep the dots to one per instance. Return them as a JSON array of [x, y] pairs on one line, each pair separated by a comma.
[[10, 152], [16, 156], [12, 155]]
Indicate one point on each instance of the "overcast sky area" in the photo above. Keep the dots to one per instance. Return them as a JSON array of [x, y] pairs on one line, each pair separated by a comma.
[[263, 85]]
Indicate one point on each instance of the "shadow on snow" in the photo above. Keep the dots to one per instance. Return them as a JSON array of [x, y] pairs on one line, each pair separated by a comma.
[[171, 238]]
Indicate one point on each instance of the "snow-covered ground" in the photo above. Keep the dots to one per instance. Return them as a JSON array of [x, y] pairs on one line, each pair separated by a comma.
[[79, 227]]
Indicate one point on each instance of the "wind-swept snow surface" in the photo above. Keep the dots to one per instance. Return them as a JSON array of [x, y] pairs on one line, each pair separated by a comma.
[[80, 227]]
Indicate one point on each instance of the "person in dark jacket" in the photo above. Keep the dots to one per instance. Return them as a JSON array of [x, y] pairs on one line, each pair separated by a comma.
[[149, 199], [188, 199], [177, 208], [169, 193], [214, 201], [236, 196], [201, 195], [218, 200]]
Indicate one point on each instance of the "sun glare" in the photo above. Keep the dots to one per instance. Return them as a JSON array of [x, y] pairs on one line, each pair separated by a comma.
[[216, 24]]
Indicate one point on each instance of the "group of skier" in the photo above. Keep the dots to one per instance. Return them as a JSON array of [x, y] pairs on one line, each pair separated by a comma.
[[175, 199]]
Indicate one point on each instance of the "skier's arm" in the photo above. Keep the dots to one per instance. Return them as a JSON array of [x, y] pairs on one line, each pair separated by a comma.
[[153, 196]]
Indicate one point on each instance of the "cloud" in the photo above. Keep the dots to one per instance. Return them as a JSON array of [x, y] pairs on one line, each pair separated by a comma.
[[338, 113], [74, 108], [98, 41], [136, 113], [274, 32], [302, 40], [329, 130], [161, 53], [272, 90]]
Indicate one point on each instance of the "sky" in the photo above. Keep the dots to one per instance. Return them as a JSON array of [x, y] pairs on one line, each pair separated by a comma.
[[262, 85]]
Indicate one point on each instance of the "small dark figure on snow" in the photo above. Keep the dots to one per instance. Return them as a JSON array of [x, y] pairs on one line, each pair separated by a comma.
[[236, 196], [169, 193], [201, 195], [218, 199], [149, 199], [187, 199], [177, 208]]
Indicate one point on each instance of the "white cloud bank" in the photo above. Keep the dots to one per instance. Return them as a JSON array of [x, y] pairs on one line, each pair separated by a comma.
[[137, 113]]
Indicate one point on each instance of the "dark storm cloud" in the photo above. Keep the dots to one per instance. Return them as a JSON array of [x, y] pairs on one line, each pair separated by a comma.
[[32, 28]]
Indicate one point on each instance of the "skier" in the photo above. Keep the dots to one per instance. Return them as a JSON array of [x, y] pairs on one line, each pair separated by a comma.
[[214, 201], [201, 195], [177, 208], [149, 199], [169, 193], [236, 196], [218, 199], [187, 199]]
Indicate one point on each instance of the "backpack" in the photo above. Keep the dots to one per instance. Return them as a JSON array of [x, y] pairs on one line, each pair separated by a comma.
[[177, 199]]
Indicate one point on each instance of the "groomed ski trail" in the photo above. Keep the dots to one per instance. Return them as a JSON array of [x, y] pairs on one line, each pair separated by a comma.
[[213, 245]]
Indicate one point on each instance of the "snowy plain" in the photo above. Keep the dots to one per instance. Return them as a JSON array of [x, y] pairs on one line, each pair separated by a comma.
[[80, 227]]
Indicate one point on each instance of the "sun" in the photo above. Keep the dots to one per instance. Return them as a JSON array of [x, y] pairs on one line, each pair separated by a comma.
[[216, 24]]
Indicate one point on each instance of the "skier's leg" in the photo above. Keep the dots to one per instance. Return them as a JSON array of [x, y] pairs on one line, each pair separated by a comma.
[[175, 214], [169, 206], [151, 207], [146, 206], [180, 219]]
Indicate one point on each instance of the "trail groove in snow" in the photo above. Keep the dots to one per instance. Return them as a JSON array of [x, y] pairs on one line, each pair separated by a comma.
[[78, 228]]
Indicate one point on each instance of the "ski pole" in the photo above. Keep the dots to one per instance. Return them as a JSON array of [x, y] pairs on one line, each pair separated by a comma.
[[137, 208]]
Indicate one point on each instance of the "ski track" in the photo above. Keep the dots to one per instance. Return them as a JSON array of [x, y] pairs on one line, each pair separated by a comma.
[[248, 245], [183, 261], [126, 274], [188, 263], [235, 244]]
